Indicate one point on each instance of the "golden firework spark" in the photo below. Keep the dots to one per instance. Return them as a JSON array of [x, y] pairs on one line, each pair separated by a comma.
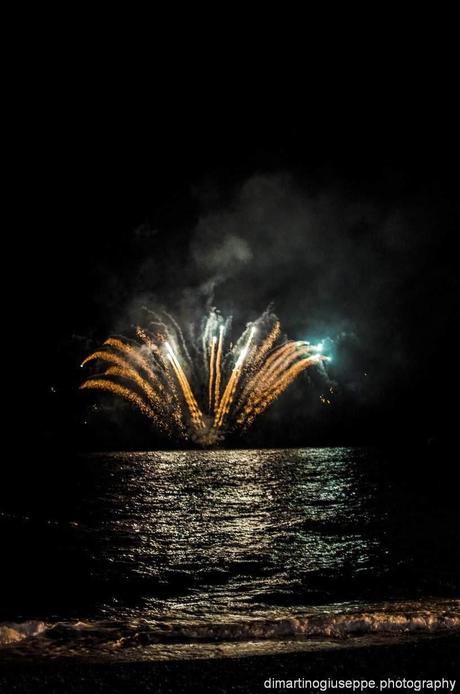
[[157, 376], [218, 367]]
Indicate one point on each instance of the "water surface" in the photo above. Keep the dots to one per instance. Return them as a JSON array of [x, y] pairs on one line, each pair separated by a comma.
[[199, 553]]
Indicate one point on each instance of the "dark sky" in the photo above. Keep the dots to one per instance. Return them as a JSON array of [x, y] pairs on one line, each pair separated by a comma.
[[345, 216]]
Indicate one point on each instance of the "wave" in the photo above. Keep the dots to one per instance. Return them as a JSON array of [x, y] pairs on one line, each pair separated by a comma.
[[335, 626], [339, 623], [11, 632]]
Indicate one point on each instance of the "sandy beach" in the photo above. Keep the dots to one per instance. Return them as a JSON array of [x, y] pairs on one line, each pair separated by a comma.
[[432, 658]]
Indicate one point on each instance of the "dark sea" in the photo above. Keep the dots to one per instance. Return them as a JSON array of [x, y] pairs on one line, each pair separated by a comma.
[[206, 554]]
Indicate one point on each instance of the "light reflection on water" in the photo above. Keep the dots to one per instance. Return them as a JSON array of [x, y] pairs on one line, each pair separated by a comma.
[[220, 546], [235, 529]]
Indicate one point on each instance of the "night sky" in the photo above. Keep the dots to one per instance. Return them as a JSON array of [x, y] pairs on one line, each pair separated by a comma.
[[345, 216]]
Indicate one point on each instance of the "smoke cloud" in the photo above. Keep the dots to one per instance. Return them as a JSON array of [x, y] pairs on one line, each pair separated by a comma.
[[333, 262]]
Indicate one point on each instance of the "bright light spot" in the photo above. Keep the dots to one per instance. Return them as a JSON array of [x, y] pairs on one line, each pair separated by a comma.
[[169, 349]]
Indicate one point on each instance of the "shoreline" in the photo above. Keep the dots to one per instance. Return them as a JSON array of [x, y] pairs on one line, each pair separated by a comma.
[[433, 658]]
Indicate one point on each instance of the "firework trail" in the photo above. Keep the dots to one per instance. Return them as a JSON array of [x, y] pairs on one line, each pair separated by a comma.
[[157, 376]]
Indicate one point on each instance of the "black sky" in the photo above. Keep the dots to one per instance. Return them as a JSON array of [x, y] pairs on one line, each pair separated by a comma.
[[343, 213]]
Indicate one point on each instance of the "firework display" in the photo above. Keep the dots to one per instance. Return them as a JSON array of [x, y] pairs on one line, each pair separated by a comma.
[[214, 387]]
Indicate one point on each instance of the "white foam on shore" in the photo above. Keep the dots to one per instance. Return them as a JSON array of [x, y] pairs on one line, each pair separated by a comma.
[[316, 626], [11, 632], [339, 624]]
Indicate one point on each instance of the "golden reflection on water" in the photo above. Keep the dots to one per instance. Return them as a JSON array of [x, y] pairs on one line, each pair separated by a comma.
[[239, 526]]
